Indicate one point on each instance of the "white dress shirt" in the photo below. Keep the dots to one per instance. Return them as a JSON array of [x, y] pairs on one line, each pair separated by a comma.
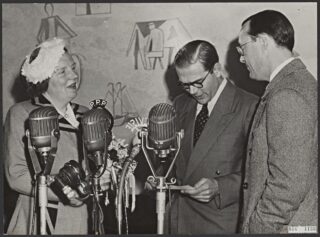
[[214, 99], [278, 69]]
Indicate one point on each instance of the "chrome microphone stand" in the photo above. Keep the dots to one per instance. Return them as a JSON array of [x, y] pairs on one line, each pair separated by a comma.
[[47, 155], [162, 184]]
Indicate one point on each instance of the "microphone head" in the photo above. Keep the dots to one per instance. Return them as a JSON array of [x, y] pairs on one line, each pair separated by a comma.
[[162, 127], [42, 121], [97, 124]]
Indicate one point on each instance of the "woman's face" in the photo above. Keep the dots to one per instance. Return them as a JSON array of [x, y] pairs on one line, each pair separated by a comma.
[[63, 84]]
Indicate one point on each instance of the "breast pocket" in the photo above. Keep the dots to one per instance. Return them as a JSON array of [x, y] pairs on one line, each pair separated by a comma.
[[226, 168]]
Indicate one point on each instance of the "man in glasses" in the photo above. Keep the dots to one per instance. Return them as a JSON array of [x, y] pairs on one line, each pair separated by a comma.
[[280, 186], [215, 116]]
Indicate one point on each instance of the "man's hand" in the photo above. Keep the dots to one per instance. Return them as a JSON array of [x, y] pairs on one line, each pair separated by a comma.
[[72, 195], [203, 191]]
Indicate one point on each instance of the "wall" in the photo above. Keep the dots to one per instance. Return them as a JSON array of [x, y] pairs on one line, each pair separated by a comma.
[[103, 41]]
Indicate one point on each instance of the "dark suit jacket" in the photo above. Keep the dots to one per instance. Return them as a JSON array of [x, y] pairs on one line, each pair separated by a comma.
[[218, 154], [282, 162]]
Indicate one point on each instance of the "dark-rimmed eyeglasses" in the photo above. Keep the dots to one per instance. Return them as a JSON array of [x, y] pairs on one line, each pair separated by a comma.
[[240, 47], [196, 84]]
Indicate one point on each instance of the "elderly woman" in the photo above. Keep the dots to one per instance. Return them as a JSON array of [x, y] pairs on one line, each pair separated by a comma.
[[52, 80]]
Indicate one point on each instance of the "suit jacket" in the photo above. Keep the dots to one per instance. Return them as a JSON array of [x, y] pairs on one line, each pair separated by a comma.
[[18, 170], [280, 187], [218, 154]]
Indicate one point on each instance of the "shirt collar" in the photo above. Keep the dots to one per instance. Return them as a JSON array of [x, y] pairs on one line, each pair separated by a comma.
[[68, 114], [278, 69], [214, 99]]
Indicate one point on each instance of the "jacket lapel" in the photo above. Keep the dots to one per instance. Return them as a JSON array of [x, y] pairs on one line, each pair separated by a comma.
[[63, 123], [296, 64], [186, 120], [220, 117]]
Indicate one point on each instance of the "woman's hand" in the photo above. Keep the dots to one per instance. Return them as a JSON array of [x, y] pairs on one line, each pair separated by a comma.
[[72, 195]]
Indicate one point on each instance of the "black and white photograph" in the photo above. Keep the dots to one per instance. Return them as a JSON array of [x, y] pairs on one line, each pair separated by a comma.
[[167, 118]]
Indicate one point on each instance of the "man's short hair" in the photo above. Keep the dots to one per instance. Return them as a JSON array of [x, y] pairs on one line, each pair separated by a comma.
[[194, 51], [273, 23]]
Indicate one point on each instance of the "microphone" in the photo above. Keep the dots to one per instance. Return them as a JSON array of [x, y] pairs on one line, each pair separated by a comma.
[[43, 124], [162, 137], [96, 127], [97, 124], [43, 135], [162, 129]]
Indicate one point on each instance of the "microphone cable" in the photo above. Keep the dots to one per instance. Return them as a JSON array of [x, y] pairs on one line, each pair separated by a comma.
[[127, 163], [126, 216], [99, 212], [104, 160], [120, 193], [34, 214]]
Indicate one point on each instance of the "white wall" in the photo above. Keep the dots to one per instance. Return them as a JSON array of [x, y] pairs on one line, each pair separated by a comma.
[[102, 41]]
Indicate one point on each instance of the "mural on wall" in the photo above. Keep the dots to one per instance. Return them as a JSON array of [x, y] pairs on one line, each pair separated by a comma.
[[53, 26], [154, 42], [83, 9], [123, 108]]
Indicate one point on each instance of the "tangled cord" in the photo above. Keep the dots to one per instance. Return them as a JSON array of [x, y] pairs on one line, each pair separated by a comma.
[[99, 212]]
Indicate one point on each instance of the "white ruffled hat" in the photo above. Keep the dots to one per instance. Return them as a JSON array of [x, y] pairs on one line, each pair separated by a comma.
[[44, 64]]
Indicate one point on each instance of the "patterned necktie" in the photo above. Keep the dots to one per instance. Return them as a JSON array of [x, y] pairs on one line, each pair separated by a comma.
[[201, 120]]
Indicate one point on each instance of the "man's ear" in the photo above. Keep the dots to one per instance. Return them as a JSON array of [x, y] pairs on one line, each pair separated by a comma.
[[265, 40], [217, 68]]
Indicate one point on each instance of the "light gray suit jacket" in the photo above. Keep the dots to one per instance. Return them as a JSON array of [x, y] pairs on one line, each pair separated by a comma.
[[218, 155], [281, 174], [18, 171]]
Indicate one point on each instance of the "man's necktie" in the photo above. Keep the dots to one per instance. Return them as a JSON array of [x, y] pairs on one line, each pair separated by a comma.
[[201, 120]]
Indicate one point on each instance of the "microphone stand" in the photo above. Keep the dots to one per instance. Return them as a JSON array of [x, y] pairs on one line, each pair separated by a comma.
[[162, 185], [97, 220], [48, 156], [100, 161]]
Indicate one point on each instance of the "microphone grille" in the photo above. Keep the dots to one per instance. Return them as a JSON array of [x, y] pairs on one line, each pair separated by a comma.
[[42, 121], [95, 123], [162, 125]]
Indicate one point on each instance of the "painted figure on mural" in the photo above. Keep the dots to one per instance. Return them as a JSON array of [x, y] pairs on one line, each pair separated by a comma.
[[154, 47]]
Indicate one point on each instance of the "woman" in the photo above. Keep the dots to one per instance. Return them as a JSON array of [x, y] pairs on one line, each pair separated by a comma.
[[52, 80]]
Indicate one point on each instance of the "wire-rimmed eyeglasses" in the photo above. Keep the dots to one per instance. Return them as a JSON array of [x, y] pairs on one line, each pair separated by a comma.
[[240, 47]]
